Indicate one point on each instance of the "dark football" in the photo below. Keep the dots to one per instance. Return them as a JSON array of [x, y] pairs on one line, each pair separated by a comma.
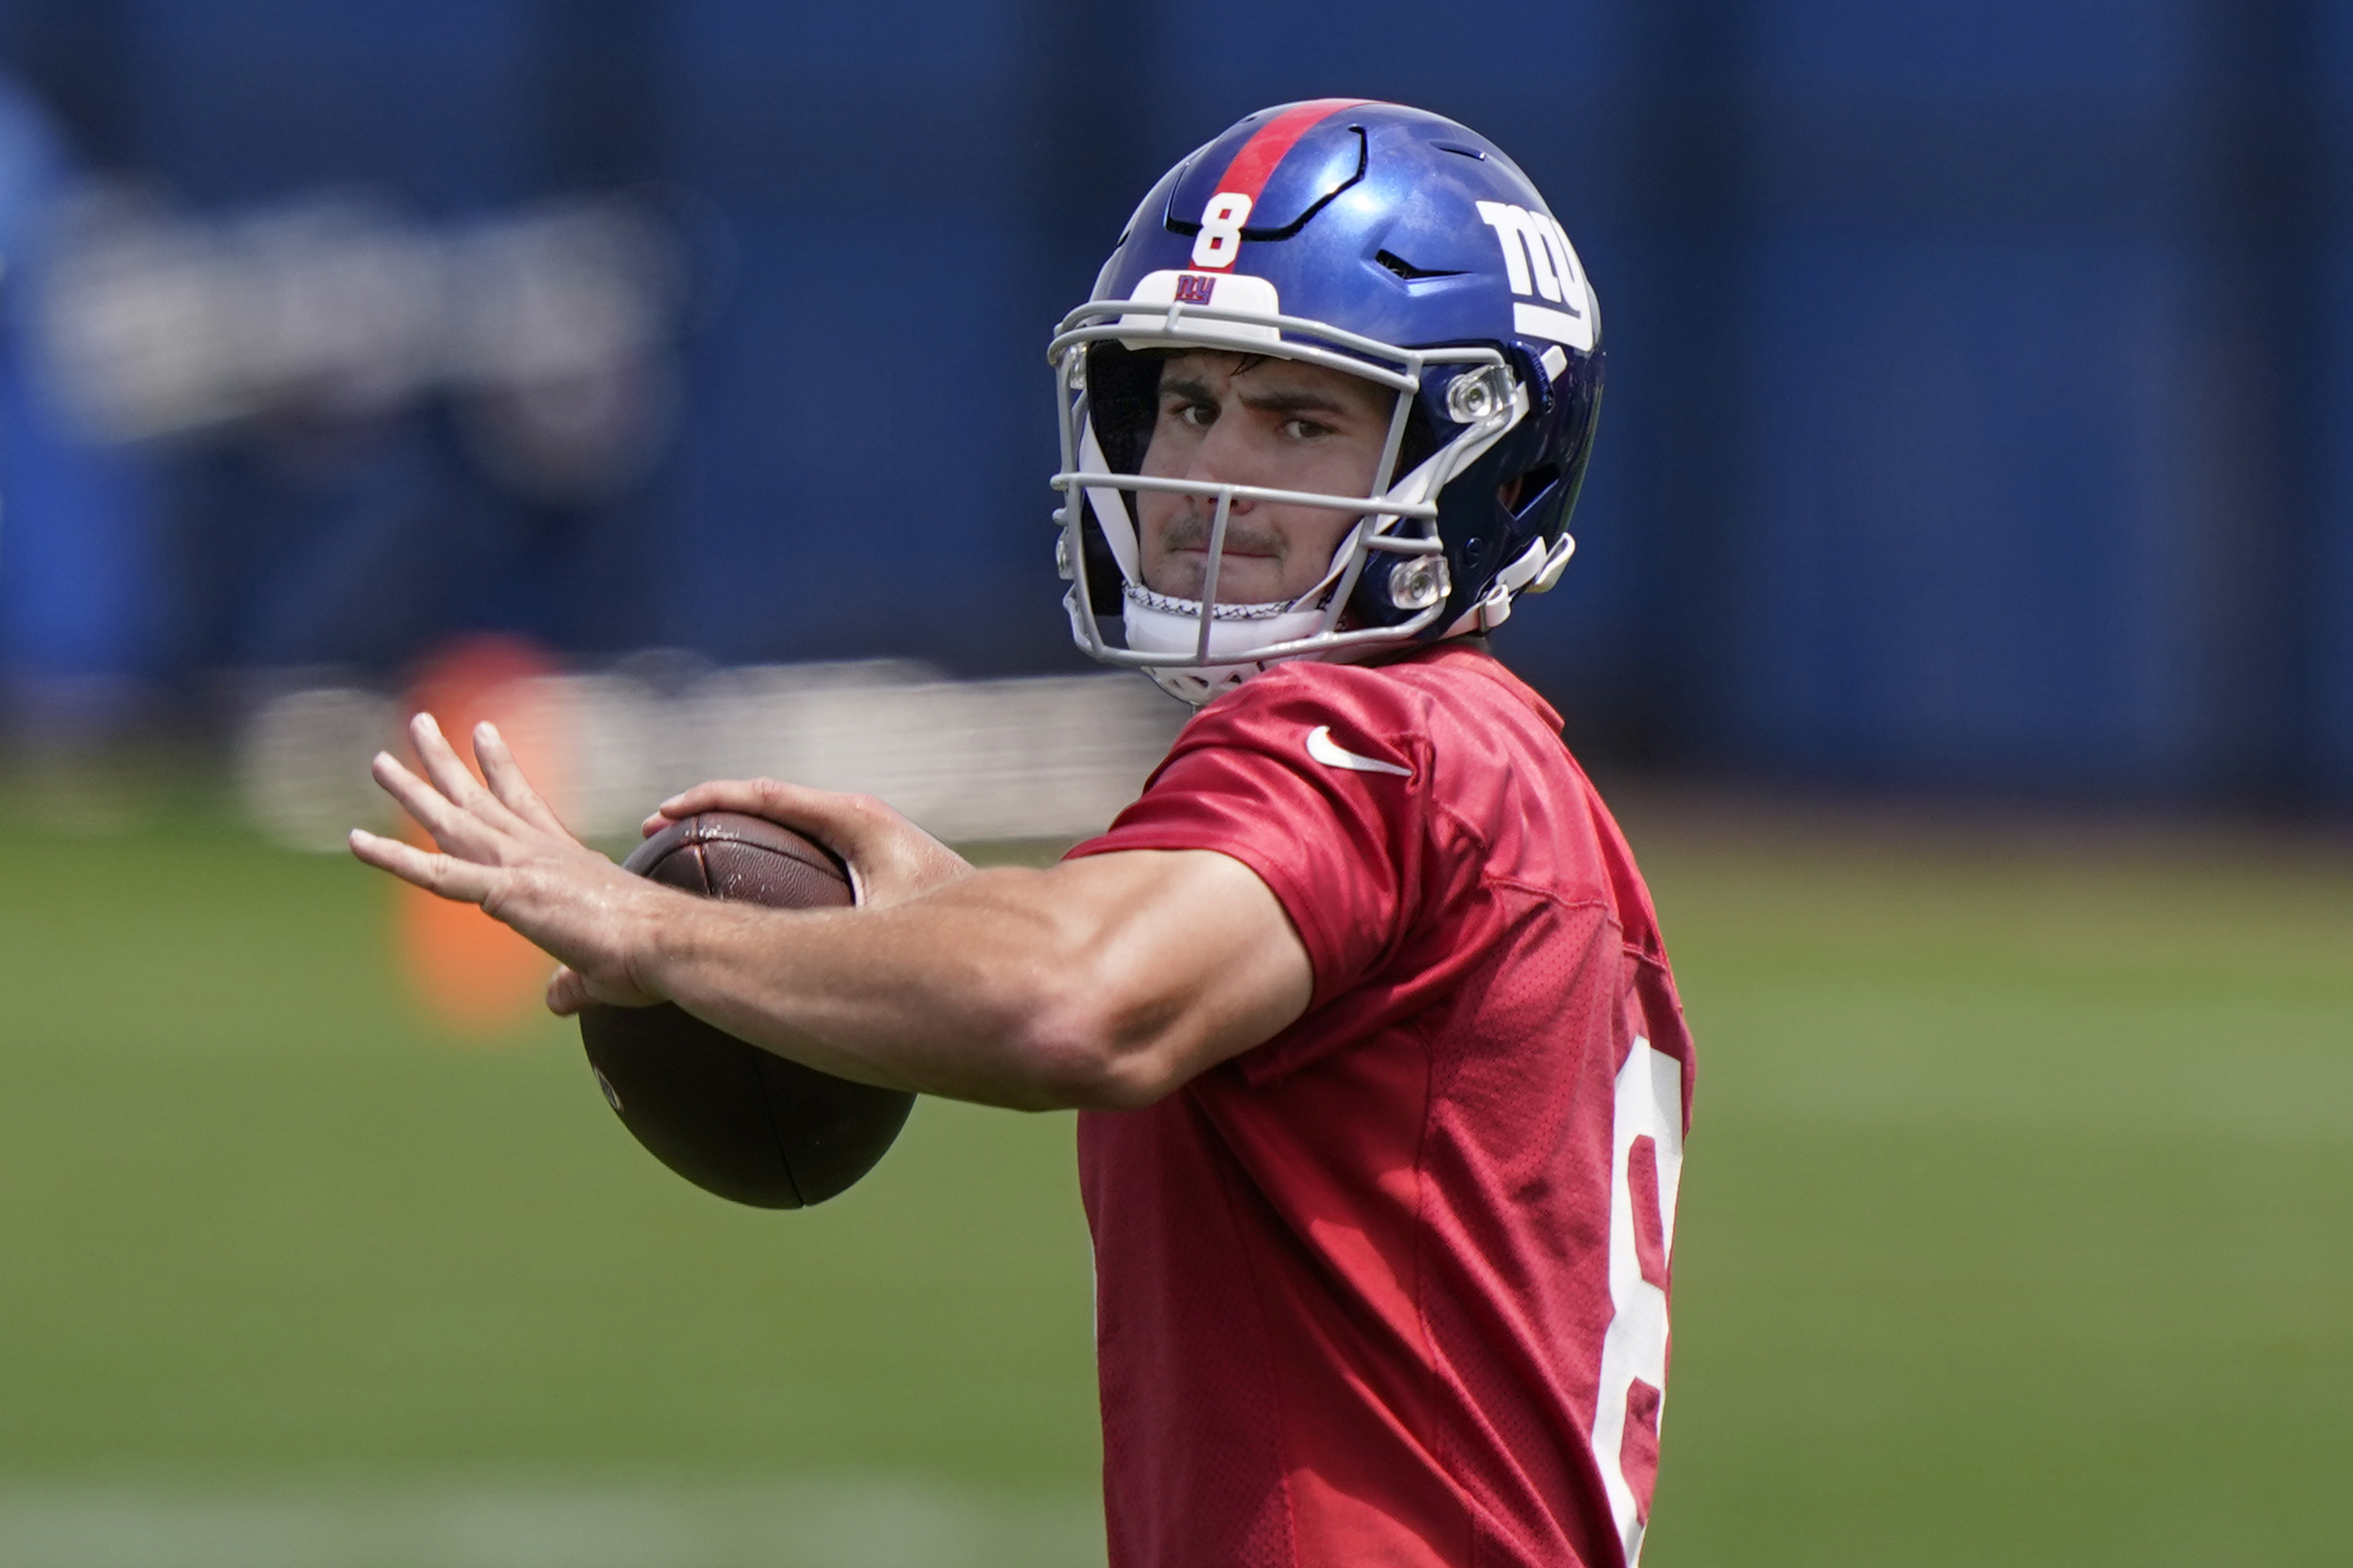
[[730, 1118]]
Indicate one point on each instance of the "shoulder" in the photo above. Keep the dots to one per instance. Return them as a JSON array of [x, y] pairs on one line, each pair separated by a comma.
[[1491, 776], [1372, 695], [1299, 728], [1446, 691], [1304, 714]]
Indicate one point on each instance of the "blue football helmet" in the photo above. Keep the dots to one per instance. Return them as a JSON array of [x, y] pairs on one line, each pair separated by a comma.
[[1371, 239]]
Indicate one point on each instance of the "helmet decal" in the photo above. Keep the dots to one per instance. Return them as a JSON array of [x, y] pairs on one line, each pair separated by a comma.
[[1539, 262], [1237, 293], [1244, 180]]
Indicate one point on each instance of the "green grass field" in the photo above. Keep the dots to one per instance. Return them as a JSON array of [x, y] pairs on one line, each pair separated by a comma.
[[2014, 1230]]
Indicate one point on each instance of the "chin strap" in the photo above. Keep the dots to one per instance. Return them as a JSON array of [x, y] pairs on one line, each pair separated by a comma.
[[1156, 623]]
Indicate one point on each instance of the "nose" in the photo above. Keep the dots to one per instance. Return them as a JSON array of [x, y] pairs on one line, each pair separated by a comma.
[[1224, 456]]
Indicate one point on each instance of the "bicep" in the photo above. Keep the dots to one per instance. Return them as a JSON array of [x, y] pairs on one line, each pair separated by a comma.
[[1195, 958]]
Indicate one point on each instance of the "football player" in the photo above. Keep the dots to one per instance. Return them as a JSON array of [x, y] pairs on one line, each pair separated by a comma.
[[1382, 1076]]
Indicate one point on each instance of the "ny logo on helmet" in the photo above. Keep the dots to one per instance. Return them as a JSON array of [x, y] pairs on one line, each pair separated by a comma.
[[1191, 288], [1538, 261]]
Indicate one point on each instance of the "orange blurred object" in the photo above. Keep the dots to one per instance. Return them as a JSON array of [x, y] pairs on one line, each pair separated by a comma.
[[472, 975]]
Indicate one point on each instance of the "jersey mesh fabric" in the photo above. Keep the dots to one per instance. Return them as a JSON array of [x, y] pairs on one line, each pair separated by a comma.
[[1353, 1284]]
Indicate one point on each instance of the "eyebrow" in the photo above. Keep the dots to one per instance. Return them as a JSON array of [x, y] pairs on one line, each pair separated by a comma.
[[1281, 402], [1186, 387]]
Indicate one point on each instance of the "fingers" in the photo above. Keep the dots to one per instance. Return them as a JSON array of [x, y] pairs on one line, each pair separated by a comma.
[[489, 824], [721, 795], [508, 783], [452, 777], [461, 881], [756, 797], [890, 857], [567, 992], [844, 823], [451, 827]]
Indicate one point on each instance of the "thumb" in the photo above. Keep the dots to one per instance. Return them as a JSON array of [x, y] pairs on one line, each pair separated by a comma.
[[567, 992], [850, 825]]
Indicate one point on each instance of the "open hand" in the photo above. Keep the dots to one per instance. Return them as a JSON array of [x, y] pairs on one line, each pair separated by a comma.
[[503, 847]]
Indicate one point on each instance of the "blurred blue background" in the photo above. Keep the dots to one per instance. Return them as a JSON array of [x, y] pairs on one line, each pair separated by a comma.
[[1976, 376], [1975, 369]]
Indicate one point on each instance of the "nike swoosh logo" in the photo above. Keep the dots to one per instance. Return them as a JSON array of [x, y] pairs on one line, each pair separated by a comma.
[[1326, 750]]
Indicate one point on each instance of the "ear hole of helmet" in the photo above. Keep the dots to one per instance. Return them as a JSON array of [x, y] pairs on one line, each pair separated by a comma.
[[1536, 487]]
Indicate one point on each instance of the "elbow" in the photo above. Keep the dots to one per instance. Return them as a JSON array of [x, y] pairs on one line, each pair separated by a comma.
[[1087, 1021], [1090, 1055]]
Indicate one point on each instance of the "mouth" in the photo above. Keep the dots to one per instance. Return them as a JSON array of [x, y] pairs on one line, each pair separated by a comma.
[[1234, 551]]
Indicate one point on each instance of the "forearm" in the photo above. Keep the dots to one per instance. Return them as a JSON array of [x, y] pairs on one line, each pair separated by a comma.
[[977, 991], [1107, 981]]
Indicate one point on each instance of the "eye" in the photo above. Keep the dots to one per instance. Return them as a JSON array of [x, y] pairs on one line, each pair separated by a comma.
[[1192, 411], [1301, 429]]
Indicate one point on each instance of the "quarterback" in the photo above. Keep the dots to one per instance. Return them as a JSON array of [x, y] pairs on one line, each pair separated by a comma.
[[1382, 1076]]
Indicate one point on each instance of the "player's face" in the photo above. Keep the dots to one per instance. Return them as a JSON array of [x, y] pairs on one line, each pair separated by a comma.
[[1240, 419]]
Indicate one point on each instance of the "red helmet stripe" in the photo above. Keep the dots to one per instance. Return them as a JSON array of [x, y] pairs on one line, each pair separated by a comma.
[[1248, 173]]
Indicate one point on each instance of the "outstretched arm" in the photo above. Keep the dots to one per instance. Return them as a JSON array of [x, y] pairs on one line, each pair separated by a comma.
[[1107, 981]]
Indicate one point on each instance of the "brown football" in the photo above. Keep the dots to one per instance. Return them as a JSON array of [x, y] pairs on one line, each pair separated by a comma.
[[730, 1118]]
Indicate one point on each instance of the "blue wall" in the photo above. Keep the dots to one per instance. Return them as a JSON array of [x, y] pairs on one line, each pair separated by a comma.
[[1963, 552], [1976, 369], [2330, 577]]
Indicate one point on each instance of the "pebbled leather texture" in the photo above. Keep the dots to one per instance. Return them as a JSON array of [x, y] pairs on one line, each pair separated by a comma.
[[734, 1119], [725, 855]]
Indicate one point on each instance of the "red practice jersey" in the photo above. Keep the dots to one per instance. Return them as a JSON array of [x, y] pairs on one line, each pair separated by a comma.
[[1392, 1287]]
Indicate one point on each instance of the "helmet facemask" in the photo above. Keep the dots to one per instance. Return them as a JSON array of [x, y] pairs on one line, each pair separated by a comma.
[[1386, 583]]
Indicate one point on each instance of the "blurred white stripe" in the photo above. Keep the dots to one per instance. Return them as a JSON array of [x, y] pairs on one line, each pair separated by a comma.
[[850, 1523], [1047, 757]]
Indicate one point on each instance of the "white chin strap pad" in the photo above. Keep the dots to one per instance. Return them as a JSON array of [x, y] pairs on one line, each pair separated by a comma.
[[1177, 633]]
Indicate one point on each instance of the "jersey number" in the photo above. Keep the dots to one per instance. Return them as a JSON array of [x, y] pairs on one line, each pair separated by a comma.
[[1646, 1152]]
